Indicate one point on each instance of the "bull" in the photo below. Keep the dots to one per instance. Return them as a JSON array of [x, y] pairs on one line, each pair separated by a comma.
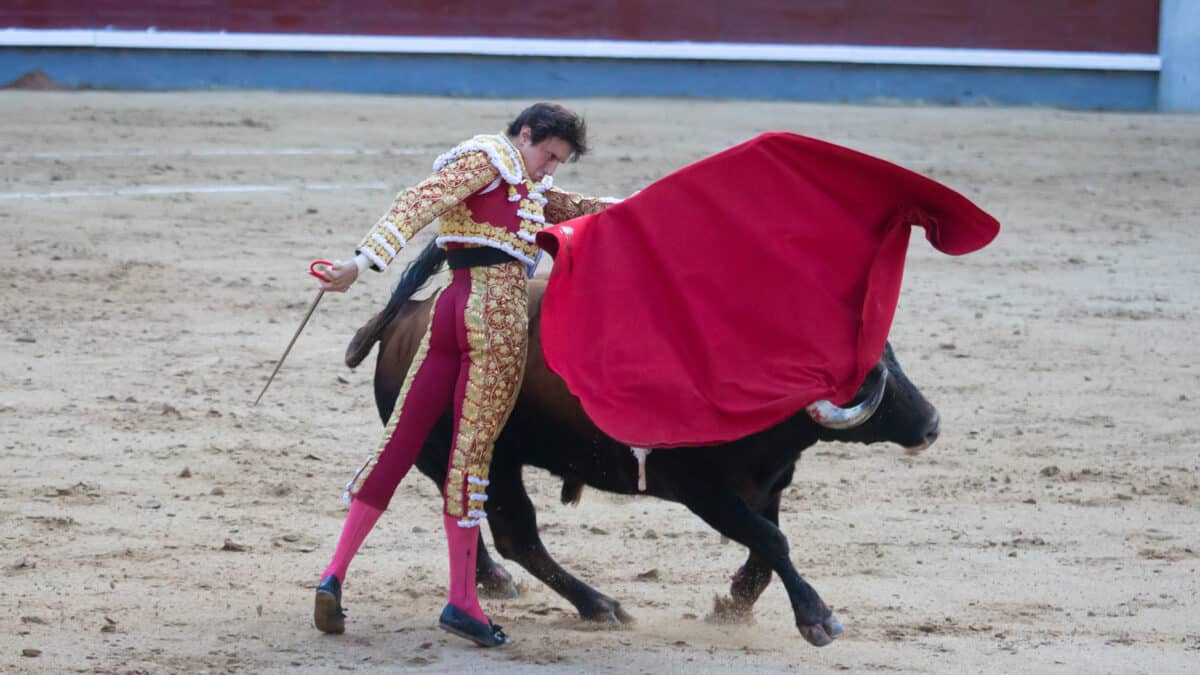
[[734, 487]]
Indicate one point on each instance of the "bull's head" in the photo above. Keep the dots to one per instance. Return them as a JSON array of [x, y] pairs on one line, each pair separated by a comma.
[[887, 408]]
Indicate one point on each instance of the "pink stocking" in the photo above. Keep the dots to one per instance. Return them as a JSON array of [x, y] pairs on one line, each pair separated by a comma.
[[463, 543], [358, 525]]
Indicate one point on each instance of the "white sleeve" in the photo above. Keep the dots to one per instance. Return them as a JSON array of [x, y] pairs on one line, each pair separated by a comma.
[[362, 262]]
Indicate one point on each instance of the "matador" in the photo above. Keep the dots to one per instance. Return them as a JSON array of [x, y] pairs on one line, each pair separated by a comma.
[[490, 194]]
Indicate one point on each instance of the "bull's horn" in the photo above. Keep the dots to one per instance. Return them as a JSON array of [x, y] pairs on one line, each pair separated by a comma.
[[832, 416]]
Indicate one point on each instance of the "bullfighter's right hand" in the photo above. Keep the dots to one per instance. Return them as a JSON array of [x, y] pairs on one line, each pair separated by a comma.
[[340, 277]]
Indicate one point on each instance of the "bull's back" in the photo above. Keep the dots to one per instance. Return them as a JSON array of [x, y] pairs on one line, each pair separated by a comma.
[[398, 344]]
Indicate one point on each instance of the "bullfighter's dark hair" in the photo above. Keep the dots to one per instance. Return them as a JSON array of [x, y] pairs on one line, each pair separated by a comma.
[[550, 120]]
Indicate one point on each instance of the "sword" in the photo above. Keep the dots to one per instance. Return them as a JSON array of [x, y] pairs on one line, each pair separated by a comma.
[[303, 322]]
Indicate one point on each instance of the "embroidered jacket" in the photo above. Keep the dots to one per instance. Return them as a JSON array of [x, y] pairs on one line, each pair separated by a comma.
[[484, 197]]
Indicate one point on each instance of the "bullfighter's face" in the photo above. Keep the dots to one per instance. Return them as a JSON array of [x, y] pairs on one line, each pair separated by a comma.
[[541, 158]]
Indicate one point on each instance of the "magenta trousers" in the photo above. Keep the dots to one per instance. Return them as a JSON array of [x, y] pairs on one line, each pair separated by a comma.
[[471, 358]]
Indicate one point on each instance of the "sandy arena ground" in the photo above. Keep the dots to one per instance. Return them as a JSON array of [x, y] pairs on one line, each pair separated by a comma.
[[153, 521]]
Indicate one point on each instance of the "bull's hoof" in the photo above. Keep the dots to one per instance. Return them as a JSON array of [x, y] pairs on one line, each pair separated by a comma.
[[823, 633], [496, 584], [609, 612]]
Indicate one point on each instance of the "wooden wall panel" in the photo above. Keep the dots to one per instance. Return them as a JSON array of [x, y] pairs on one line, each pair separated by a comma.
[[1067, 25]]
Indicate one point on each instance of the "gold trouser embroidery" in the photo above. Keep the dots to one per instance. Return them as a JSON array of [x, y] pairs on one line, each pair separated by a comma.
[[497, 332]]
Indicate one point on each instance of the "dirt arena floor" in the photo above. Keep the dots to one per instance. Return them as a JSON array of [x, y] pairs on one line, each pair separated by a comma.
[[153, 521]]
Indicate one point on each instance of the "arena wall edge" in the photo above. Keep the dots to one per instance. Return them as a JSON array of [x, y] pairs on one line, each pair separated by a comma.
[[556, 77]]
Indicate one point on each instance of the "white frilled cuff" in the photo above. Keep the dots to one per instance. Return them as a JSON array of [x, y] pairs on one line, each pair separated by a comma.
[[362, 262]]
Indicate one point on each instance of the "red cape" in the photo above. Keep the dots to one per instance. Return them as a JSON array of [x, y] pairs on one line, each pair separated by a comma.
[[734, 292]]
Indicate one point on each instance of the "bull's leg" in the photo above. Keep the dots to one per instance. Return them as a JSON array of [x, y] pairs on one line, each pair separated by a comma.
[[752, 578], [730, 516], [513, 521], [494, 581]]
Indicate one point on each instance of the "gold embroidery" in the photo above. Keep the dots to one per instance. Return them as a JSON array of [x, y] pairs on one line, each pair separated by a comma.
[[497, 323], [562, 205], [503, 155], [458, 223], [454, 477], [421, 204]]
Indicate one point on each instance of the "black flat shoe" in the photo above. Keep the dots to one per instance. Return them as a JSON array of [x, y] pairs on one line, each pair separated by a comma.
[[328, 614], [454, 620]]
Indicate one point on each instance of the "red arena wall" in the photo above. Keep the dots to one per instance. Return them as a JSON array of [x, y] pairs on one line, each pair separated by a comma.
[[1120, 26]]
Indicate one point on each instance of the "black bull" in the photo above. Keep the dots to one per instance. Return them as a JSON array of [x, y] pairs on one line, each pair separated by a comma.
[[734, 487]]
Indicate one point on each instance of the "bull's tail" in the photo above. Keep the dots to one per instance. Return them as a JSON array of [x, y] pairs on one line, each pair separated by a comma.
[[418, 272]]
